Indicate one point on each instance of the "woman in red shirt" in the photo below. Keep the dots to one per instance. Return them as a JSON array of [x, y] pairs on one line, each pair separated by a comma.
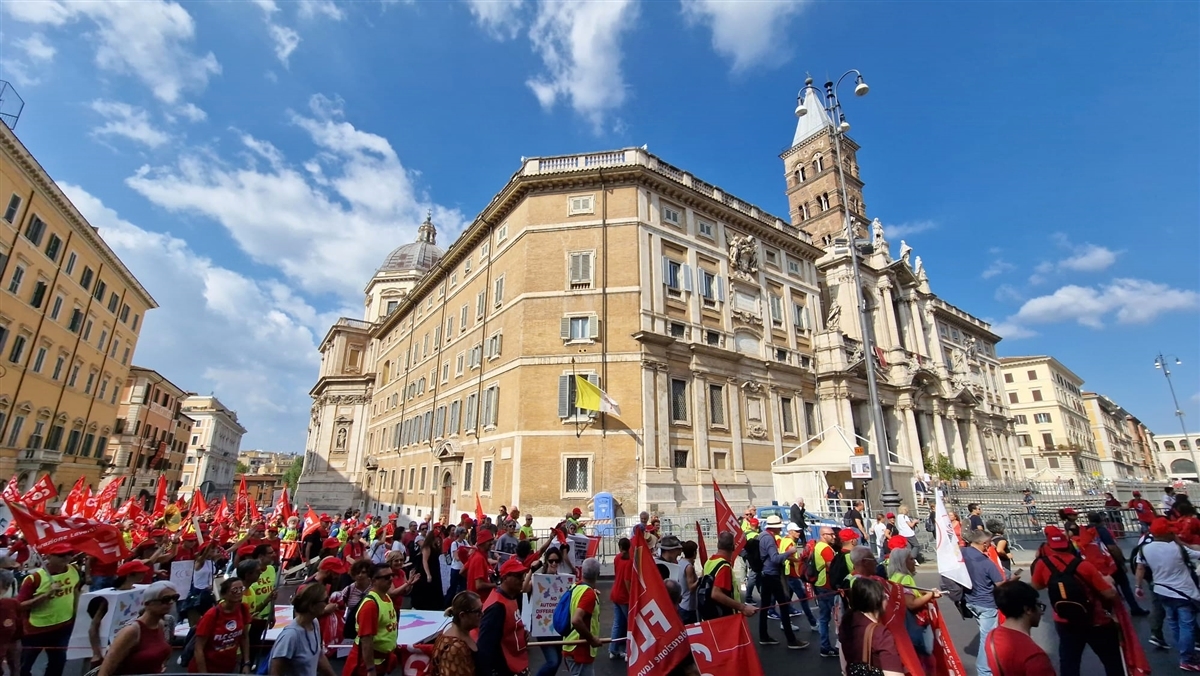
[[401, 583], [863, 637], [1010, 650], [142, 647], [619, 595], [222, 632]]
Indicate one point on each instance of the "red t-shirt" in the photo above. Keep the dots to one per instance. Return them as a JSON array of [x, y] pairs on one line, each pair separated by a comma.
[[723, 577], [622, 575], [398, 580], [478, 568], [10, 621], [1014, 653], [1145, 510], [1086, 572], [1188, 530], [224, 631], [353, 550], [183, 553], [368, 618], [103, 569], [582, 652]]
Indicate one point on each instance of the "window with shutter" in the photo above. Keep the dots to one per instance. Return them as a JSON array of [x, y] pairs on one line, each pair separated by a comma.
[[566, 396], [491, 406], [776, 309], [580, 270], [498, 293], [472, 410], [480, 304], [455, 411], [583, 204]]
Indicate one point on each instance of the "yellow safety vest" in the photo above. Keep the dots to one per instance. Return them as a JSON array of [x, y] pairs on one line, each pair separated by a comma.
[[60, 607], [748, 530], [577, 594], [903, 579], [527, 531], [258, 596], [819, 561], [710, 567], [384, 640], [789, 563]]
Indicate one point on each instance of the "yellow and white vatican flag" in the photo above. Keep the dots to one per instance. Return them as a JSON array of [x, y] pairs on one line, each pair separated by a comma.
[[592, 398]]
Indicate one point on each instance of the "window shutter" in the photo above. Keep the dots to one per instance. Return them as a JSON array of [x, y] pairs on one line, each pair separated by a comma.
[[499, 343], [564, 396], [595, 380], [499, 294], [719, 283], [585, 267], [593, 327], [666, 270], [700, 273], [575, 263], [685, 275], [564, 328]]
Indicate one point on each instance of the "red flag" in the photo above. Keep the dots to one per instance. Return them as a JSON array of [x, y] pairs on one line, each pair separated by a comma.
[[90, 504], [130, 510], [700, 543], [252, 509], [1136, 663], [241, 503], [945, 656], [593, 547], [42, 491], [222, 515], [100, 540], [478, 510], [416, 660], [160, 498], [12, 492], [104, 500], [311, 523], [657, 642], [723, 646], [198, 505], [727, 521], [283, 508], [894, 614], [74, 500]]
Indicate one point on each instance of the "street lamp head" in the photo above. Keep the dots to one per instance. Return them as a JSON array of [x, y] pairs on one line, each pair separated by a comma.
[[861, 88], [801, 111], [1177, 362], [844, 127]]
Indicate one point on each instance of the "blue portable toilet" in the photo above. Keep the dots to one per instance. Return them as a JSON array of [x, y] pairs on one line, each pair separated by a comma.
[[604, 509]]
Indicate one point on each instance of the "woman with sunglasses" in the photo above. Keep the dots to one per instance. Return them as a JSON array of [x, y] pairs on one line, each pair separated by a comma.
[[454, 649], [142, 646], [551, 654], [223, 631], [299, 649]]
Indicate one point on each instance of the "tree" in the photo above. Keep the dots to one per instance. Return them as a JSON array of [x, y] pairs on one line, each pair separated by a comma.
[[241, 468], [291, 478]]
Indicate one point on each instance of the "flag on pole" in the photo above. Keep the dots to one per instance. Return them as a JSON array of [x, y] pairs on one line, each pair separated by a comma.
[[104, 500], [283, 508], [241, 503], [12, 492], [478, 510], [657, 640], [222, 515], [42, 491], [74, 500], [592, 398], [160, 497], [311, 523], [727, 521], [724, 646], [198, 505], [703, 548], [949, 556], [103, 541]]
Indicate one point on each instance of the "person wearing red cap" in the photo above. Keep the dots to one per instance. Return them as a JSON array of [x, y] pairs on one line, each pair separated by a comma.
[[501, 636], [1169, 567], [1144, 511], [1097, 630], [478, 572]]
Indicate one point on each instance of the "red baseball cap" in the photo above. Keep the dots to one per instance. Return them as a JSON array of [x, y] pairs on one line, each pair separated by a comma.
[[245, 550], [1160, 527], [513, 566], [158, 533], [577, 512], [1069, 511], [754, 522], [393, 517], [1056, 538], [846, 535], [331, 543], [334, 565], [1137, 494], [483, 537], [190, 537], [897, 542], [890, 515], [132, 568]]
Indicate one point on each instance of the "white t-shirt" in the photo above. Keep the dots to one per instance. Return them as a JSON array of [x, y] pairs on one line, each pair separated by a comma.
[[455, 564], [1171, 576], [203, 578], [1168, 501], [904, 526], [879, 529], [687, 598]]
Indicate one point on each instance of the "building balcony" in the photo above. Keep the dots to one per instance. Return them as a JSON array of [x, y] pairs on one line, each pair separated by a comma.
[[36, 458]]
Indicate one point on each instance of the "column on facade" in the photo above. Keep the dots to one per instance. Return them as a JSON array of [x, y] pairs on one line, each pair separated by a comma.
[[649, 418], [912, 441], [886, 308], [978, 458], [775, 412], [735, 425], [700, 425], [662, 390], [922, 339], [939, 436]]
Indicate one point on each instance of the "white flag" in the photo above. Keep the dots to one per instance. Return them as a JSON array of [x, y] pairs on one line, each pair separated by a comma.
[[949, 555]]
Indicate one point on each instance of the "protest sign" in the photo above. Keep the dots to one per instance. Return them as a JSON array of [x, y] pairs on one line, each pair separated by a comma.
[[538, 610], [123, 607]]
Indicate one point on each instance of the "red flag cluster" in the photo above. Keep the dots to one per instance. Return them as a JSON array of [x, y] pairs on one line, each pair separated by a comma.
[[91, 537]]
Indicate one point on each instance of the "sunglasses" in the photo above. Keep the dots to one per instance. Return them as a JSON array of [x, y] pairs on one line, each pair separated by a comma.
[[237, 590], [383, 577], [477, 611], [550, 561]]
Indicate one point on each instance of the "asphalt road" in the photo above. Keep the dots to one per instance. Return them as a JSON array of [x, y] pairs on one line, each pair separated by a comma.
[[774, 658]]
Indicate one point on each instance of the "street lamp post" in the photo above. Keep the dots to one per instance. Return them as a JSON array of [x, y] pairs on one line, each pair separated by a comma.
[[1161, 362], [833, 107]]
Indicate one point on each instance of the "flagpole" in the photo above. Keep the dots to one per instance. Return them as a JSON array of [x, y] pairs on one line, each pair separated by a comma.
[[575, 386]]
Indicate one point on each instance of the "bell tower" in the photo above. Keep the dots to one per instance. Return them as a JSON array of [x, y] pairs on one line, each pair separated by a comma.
[[810, 174]]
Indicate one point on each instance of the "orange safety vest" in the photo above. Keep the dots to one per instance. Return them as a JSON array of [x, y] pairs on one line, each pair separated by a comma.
[[512, 639]]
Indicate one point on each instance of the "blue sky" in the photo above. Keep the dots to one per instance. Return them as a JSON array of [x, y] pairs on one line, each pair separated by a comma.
[[252, 162]]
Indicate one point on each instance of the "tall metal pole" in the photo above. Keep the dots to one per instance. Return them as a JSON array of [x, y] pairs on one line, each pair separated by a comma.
[[1161, 362], [889, 495]]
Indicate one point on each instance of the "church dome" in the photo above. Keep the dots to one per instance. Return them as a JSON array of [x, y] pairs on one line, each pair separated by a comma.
[[419, 256]]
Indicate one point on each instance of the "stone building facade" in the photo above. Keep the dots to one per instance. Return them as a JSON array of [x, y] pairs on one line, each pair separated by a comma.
[[151, 435], [213, 449], [1177, 453], [1123, 443]]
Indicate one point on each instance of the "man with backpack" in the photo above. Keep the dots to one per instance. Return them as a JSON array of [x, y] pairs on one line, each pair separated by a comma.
[[1175, 584], [716, 594], [1079, 597], [1158, 613], [772, 584], [585, 622]]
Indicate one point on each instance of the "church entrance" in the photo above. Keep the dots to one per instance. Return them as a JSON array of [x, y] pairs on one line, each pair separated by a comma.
[[447, 496]]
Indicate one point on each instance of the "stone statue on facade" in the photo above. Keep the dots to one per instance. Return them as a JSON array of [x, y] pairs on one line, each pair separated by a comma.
[[877, 233], [919, 270], [905, 251], [833, 319], [972, 347], [743, 256]]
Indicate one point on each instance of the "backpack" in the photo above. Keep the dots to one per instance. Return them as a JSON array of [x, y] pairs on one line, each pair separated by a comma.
[[839, 571], [1068, 595], [350, 630], [705, 606], [809, 572], [931, 523], [561, 620], [957, 595], [753, 552], [1133, 561]]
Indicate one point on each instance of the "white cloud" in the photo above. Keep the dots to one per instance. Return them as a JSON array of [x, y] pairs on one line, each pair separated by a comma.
[[908, 229], [748, 32], [122, 119], [36, 47], [1089, 258], [1011, 331], [1128, 301], [1007, 293], [500, 18], [580, 45], [286, 41], [192, 112], [998, 267], [149, 40], [314, 226], [251, 342], [312, 8]]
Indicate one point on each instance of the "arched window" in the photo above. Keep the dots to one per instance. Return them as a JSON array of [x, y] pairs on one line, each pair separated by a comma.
[[818, 163], [823, 200], [1183, 445], [1168, 446], [803, 212], [801, 174], [1182, 466]]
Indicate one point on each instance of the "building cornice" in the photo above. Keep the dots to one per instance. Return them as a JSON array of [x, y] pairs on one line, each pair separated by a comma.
[[49, 190]]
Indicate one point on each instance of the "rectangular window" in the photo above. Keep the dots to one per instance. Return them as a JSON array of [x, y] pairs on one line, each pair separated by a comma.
[[712, 338], [14, 204], [35, 230], [85, 278], [671, 215], [679, 459], [125, 357], [135, 322], [787, 415], [458, 364], [793, 267], [472, 410], [87, 329], [53, 247], [678, 330], [14, 284], [455, 412], [716, 405], [18, 349], [113, 300], [705, 229], [445, 373], [679, 403], [58, 367], [1020, 419], [480, 304], [1008, 377], [74, 377], [1047, 440], [70, 266], [1037, 395], [462, 319], [103, 338], [676, 276], [468, 470], [3, 338], [15, 433], [576, 477], [579, 266], [720, 460], [39, 294], [1052, 463], [1029, 464], [88, 440], [493, 345], [584, 204], [124, 313], [776, 303], [439, 422], [39, 360], [103, 388], [423, 468], [498, 292], [800, 318], [98, 292], [1031, 374], [501, 233], [56, 308], [711, 288], [1041, 417], [73, 440], [450, 329], [87, 389], [1012, 398], [412, 478], [579, 328], [485, 484], [566, 396], [491, 406]]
